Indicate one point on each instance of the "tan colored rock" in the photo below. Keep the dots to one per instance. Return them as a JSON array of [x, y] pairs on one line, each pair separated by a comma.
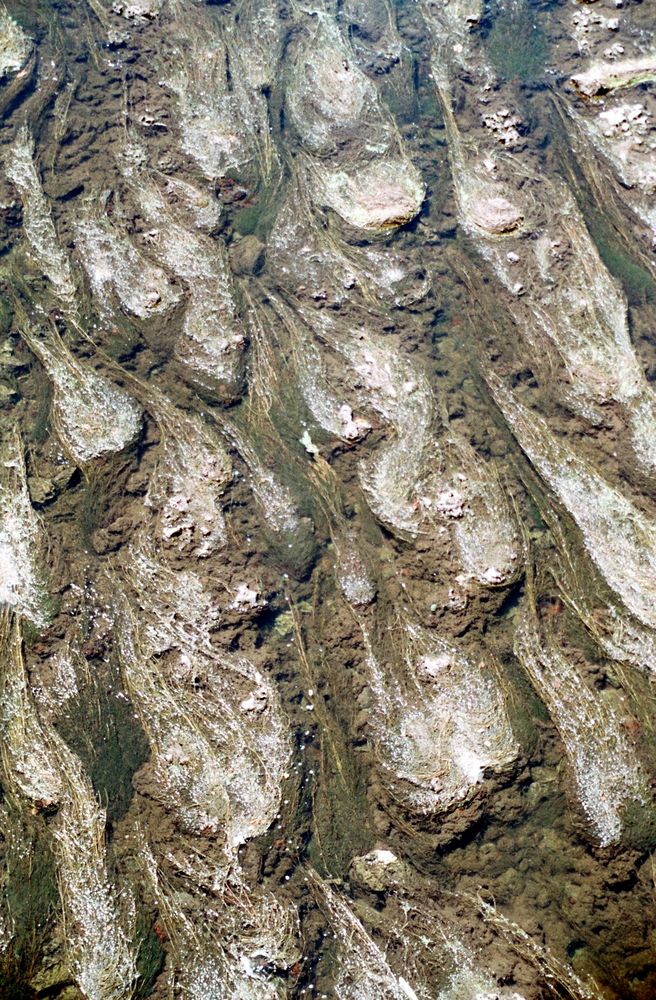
[[247, 256], [41, 490], [602, 77], [381, 195], [138, 10], [15, 47], [496, 215]]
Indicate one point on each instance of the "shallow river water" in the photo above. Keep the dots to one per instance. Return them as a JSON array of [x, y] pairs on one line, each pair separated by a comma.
[[327, 499]]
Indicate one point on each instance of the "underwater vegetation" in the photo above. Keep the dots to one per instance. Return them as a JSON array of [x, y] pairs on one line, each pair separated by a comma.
[[327, 500]]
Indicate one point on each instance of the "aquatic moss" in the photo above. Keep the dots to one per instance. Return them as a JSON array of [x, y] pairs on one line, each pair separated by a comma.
[[41, 426], [111, 745], [13, 986], [637, 282], [515, 41], [257, 219], [639, 827], [150, 958], [32, 898], [6, 316], [339, 814]]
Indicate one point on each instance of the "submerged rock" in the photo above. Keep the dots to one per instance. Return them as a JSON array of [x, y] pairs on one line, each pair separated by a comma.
[[399, 391], [146, 10], [191, 474], [15, 47], [37, 221], [353, 574], [380, 196], [495, 215], [603, 77], [115, 267], [41, 490], [22, 585], [215, 764], [608, 776], [329, 98], [247, 256], [218, 84], [620, 538], [43, 771], [93, 416], [357, 165], [440, 725]]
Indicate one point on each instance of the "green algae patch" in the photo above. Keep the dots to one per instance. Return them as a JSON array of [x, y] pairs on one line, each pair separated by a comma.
[[515, 41], [639, 827], [6, 316], [110, 744], [526, 707], [339, 811], [638, 284], [150, 958], [258, 219], [92, 509], [248, 221], [636, 280], [40, 426], [283, 624], [31, 899]]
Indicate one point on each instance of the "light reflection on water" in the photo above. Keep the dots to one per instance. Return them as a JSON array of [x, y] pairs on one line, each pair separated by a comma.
[[521, 844]]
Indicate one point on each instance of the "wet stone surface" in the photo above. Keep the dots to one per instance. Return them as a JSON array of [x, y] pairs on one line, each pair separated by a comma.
[[327, 500]]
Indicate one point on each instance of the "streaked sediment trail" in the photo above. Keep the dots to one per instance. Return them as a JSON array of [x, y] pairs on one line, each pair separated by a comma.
[[326, 499]]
